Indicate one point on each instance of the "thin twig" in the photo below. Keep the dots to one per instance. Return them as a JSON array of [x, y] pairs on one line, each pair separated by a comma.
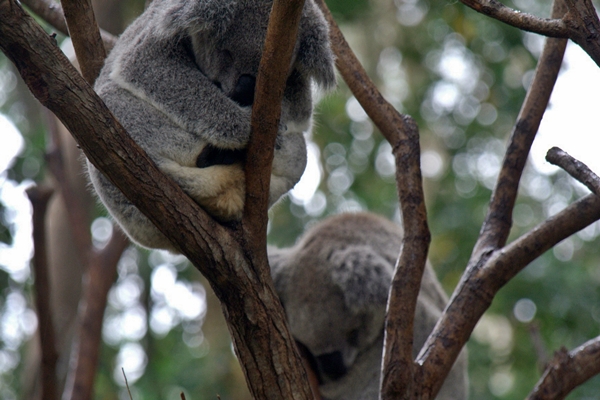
[[126, 383], [567, 370], [575, 168], [39, 197], [52, 13]]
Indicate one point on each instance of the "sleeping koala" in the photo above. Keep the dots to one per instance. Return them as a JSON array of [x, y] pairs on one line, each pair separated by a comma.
[[334, 285], [181, 81]]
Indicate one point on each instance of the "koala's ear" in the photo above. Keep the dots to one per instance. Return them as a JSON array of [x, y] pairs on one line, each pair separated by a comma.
[[315, 57], [363, 275], [178, 17]]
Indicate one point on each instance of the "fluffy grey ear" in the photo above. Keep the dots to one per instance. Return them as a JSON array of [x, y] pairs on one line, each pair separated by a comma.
[[364, 277], [315, 57], [180, 16]]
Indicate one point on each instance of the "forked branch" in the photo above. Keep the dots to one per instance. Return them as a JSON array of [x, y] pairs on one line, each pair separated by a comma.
[[401, 131]]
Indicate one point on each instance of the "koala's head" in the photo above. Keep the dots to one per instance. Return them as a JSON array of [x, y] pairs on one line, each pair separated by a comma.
[[227, 39], [334, 298]]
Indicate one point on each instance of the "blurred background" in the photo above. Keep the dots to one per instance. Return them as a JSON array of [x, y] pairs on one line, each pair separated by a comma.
[[463, 77]]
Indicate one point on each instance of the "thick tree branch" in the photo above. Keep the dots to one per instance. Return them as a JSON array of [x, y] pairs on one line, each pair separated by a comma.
[[575, 168], [85, 35], [52, 13], [401, 131], [39, 197], [266, 350], [567, 370], [584, 27], [498, 221]]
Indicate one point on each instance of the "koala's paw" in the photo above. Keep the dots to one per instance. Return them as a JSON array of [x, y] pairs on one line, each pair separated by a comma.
[[226, 200]]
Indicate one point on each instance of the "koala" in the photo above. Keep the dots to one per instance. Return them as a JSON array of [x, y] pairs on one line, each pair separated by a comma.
[[181, 81], [333, 285]]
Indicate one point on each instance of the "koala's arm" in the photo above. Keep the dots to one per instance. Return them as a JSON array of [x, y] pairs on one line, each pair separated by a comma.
[[161, 71]]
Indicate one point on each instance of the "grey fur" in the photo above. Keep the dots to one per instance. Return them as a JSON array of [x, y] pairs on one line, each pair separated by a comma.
[[181, 78], [334, 284]]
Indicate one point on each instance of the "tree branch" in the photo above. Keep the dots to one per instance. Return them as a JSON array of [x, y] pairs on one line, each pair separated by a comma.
[[494, 9], [575, 168], [580, 24], [85, 35], [401, 131], [266, 350], [52, 13], [567, 370], [266, 111], [498, 221], [102, 271], [39, 197]]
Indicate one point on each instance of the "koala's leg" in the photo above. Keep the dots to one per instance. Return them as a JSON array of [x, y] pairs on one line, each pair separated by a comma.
[[220, 189]]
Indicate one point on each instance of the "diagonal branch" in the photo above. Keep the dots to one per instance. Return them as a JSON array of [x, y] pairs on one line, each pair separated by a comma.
[[567, 370], [401, 131], [498, 221], [575, 168]]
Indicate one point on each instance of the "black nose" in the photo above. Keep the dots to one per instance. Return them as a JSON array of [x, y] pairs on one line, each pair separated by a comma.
[[332, 365], [243, 93]]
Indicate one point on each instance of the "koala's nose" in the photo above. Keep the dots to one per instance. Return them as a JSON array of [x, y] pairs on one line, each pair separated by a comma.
[[332, 365], [243, 93]]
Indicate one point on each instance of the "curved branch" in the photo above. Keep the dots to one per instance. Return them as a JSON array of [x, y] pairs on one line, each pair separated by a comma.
[[398, 370], [567, 370], [575, 168]]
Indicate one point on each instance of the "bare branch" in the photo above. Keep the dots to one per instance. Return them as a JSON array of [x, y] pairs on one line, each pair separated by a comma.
[[266, 111], [567, 370], [85, 35], [486, 271], [401, 131], [575, 168], [584, 27], [543, 26], [39, 197], [498, 221], [52, 13], [493, 270]]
